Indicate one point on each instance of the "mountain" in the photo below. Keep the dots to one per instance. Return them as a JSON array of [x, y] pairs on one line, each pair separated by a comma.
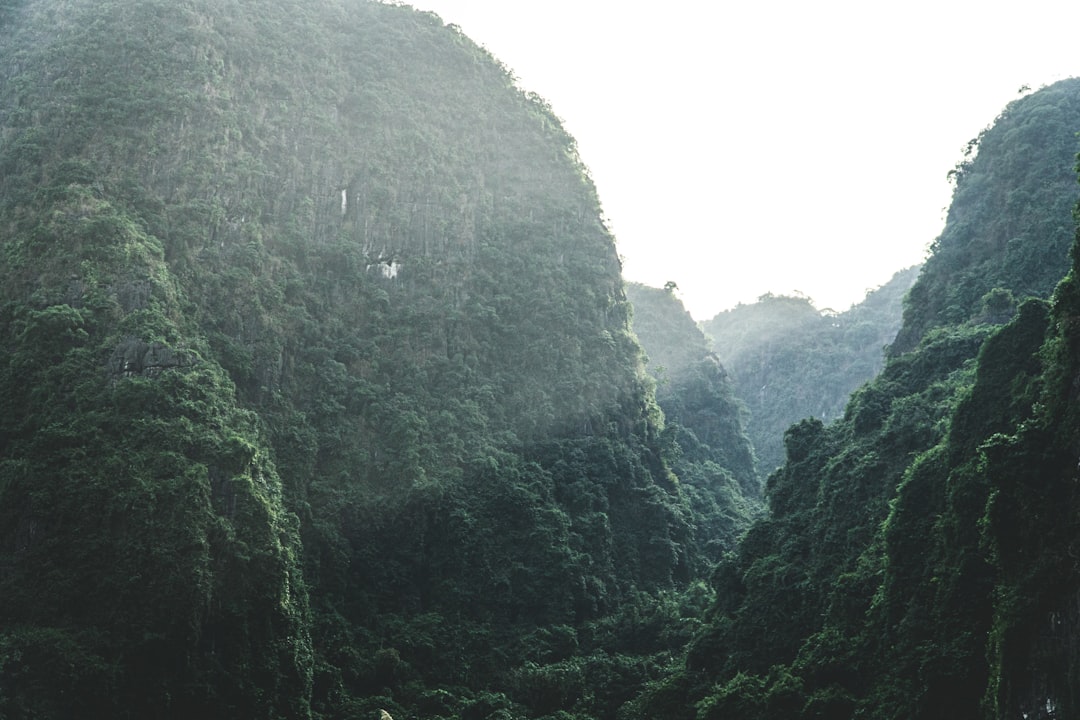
[[1009, 226], [320, 396], [918, 556], [703, 436], [790, 361]]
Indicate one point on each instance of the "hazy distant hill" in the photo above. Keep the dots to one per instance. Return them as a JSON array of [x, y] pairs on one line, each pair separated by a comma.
[[790, 361]]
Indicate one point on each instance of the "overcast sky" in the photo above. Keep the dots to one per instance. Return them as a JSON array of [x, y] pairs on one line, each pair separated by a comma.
[[749, 147]]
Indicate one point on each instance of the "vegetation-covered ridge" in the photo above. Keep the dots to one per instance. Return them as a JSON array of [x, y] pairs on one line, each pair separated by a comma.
[[1009, 225], [319, 391], [703, 438], [918, 557], [789, 361], [320, 399]]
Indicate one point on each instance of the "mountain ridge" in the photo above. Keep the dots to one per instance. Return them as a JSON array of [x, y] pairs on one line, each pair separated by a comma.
[[790, 360], [320, 392], [912, 562]]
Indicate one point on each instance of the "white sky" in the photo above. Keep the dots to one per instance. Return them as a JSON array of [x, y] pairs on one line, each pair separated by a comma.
[[773, 145]]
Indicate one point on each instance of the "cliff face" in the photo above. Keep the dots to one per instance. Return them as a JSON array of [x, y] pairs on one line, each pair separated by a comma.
[[319, 393]]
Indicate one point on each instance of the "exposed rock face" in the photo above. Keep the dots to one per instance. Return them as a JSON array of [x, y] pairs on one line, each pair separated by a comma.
[[149, 359]]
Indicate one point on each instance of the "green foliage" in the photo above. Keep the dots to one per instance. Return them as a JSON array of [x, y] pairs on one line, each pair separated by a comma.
[[918, 558], [789, 361], [703, 436], [1031, 536], [1008, 227], [320, 395], [320, 398]]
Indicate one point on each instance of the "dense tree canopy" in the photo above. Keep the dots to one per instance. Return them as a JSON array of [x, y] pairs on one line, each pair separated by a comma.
[[320, 394], [1009, 226], [703, 436], [790, 361], [915, 561], [321, 399]]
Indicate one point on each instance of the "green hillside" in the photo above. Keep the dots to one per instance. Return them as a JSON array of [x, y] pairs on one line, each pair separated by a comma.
[[319, 392], [1009, 226], [703, 438], [322, 397], [916, 560], [790, 361]]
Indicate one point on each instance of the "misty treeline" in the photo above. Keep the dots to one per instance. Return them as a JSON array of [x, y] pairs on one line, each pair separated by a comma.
[[790, 361]]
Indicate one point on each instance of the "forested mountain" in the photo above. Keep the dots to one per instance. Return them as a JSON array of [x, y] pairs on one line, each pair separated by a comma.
[[320, 396], [703, 437], [321, 399], [789, 361], [1009, 226], [919, 555]]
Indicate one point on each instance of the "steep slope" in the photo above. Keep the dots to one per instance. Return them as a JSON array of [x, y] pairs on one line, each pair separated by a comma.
[[320, 395], [915, 562], [1009, 224], [703, 436], [1031, 533], [789, 361]]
